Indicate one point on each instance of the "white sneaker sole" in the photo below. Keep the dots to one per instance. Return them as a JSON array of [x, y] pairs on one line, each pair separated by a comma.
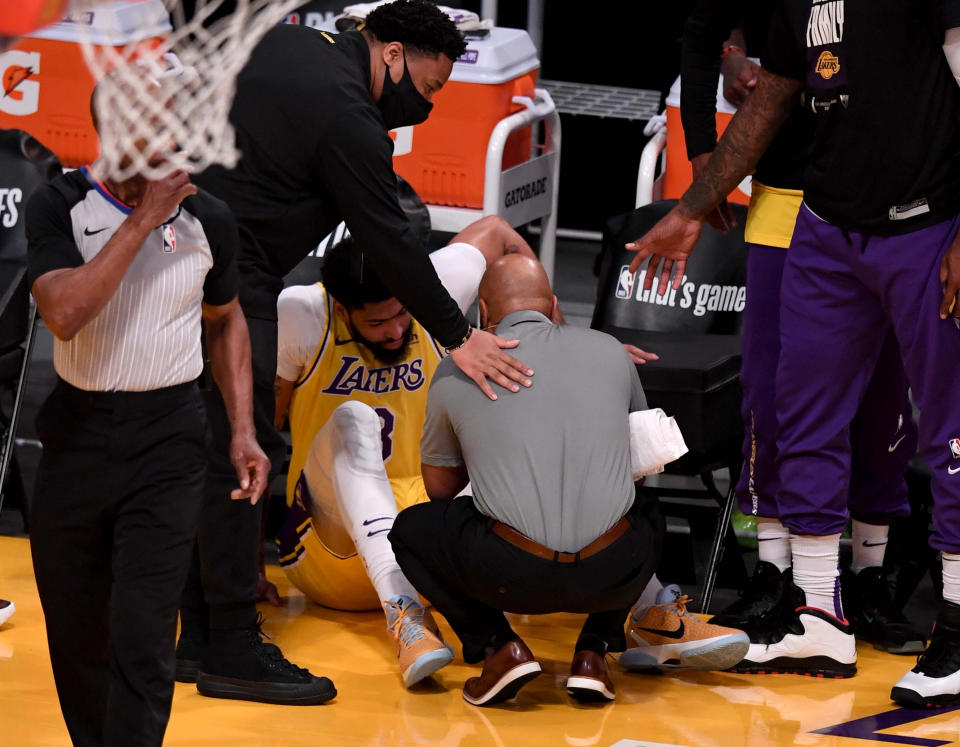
[[508, 685], [7, 612], [426, 664], [712, 654], [588, 688]]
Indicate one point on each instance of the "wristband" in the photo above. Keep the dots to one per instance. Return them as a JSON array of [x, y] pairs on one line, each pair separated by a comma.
[[461, 343], [728, 48]]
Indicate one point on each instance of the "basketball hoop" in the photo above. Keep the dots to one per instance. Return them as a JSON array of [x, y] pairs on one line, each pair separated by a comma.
[[163, 104]]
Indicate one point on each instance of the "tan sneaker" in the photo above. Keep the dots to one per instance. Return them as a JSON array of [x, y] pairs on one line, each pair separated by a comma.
[[420, 648], [665, 636]]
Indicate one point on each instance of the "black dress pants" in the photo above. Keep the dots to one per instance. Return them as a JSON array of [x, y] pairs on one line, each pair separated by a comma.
[[472, 576], [221, 588], [114, 518]]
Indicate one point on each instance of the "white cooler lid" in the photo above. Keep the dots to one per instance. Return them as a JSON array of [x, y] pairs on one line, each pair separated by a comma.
[[111, 23], [502, 55]]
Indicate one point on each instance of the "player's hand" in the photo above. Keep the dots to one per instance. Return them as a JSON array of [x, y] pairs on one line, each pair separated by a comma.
[[739, 77], [267, 591], [721, 217], [639, 356], [162, 197], [252, 466], [482, 357], [670, 241], [950, 280]]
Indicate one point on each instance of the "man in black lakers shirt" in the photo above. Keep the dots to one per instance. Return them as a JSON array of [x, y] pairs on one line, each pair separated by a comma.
[[883, 436], [876, 244], [311, 113]]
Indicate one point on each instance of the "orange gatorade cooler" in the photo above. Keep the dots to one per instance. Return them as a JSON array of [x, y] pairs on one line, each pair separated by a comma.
[[444, 158], [47, 86], [679, 175]]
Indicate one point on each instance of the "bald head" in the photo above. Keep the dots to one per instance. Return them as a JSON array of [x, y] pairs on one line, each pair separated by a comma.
[[514, 283]]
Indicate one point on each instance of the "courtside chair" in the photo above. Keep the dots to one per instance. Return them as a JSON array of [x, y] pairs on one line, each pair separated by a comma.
[[18, 319], [696, 332], [25, 164]]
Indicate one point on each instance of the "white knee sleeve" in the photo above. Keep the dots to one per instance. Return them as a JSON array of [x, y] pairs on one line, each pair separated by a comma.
[[347, 457]]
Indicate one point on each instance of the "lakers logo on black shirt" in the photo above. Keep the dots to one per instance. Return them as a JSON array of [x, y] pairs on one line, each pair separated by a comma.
[[826, 74], [828, 65]]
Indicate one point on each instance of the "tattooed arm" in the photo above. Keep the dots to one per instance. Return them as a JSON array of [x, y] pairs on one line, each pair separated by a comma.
[[746, 138]]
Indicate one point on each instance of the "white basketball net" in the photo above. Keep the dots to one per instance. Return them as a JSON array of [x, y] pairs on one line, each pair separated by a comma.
[[165, 106]]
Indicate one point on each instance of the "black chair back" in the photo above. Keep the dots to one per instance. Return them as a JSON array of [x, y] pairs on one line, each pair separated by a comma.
[[14, 306], [709, 301], [25, 164]]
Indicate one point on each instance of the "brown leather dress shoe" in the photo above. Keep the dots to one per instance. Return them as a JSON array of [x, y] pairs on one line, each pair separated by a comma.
[[504, 673], [589, 680]]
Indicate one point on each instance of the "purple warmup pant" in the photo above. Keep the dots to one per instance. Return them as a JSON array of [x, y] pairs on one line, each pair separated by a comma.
[[878, 491], [840, 294]]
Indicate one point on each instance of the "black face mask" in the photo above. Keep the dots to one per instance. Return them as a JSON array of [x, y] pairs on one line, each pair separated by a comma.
[[401, 104]]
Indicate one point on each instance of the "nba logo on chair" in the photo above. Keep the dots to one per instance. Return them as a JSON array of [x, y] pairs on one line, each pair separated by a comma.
[[625, 283]]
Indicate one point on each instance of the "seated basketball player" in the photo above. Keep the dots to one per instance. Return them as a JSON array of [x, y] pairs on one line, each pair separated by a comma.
[[553, 524], [353, 370]]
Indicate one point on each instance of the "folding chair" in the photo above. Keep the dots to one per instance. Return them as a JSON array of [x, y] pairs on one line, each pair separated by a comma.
[[695, 330], [25, 164], [18, 318]]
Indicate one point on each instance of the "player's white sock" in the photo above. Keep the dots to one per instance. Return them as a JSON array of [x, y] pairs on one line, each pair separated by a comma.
[[773, 542], [648, 597], [951, 576], [349, 450], [869, 545], [815, 561]]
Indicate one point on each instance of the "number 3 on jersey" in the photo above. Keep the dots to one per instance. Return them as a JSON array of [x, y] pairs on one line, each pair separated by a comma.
[[388, 422]]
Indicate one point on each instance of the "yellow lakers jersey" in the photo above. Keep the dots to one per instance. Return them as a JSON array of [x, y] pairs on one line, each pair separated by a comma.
[[342, 369]]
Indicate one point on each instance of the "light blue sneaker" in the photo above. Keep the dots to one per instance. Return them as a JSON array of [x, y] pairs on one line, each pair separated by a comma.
[[420, 647]]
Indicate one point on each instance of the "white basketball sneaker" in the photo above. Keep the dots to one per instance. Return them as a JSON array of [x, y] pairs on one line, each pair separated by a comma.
[[6, 610], [935, 681], [796, 639]]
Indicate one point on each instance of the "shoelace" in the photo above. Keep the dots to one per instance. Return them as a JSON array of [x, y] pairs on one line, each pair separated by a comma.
[[409, 622], [680, 605], [269, 651]]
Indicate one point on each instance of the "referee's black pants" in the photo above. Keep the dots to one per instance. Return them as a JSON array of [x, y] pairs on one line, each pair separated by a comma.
[[472, 576], [114, 517], [221, 589]]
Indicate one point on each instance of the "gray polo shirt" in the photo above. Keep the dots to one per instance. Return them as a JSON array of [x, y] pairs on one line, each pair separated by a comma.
[[552, 461]]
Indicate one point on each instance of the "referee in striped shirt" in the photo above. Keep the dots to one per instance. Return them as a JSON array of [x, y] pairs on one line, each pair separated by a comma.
[[122, 274]]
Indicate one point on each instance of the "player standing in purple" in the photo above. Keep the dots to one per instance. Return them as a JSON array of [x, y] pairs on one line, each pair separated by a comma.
[[883, 435], [875, 244]]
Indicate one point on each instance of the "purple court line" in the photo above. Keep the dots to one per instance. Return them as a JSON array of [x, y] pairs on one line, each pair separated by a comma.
[[867, 727]]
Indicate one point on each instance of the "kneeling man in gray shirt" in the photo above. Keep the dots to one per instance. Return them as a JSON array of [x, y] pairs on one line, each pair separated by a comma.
[[554, 524]]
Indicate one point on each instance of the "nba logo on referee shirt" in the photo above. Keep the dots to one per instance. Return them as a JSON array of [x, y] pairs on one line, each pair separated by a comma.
[[955, 447], [169, 238], [625, 283]]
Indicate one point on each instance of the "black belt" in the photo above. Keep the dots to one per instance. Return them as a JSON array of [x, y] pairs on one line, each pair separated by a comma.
[[130, 401]]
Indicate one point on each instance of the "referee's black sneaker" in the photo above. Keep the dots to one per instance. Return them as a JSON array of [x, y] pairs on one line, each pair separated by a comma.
[[869, 606], [239, 665], [935, 681], [760, 595]]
